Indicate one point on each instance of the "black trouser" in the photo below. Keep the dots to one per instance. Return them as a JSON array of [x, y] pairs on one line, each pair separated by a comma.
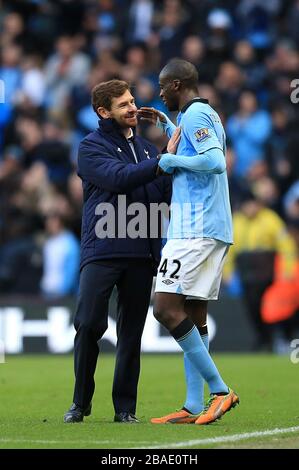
[[133, 278], [253, 293]]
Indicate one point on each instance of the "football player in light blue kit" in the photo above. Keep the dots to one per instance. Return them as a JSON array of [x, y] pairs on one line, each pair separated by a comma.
[[198, 238]]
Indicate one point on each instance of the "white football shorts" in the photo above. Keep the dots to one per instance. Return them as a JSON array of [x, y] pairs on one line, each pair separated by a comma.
[[192, 267]]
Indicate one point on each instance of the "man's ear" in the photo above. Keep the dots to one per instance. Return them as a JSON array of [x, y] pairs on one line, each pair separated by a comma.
[[176, 85], [103, 112]]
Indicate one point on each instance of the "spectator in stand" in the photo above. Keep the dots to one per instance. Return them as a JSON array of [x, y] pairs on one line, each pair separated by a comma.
[[146, 96], [11, 76], [20, 254], [248, 130], [282, 68], [291, 201], [61, 255], [194, 51], [229, 83], [45, 143], [267, 192], [293, 21], [256, 20], [32, 89], [172, 29], [82, 113], [259, 233], [253, 70], [12, 30], [10, 70], [10, 163], [280, 301], [279, 146], [218, 39], [140, 21], [64, 69]]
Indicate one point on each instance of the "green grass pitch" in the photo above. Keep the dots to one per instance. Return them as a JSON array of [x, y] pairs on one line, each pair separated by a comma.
[[35, 392]]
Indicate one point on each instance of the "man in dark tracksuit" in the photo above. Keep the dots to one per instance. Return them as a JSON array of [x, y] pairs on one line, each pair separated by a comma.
[[113, 161]]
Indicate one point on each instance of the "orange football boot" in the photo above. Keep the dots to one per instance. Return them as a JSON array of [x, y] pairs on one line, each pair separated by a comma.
[[217, 406], [178, 417]]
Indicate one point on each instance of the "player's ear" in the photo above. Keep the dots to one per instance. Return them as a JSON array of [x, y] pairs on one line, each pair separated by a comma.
[[176, 85], [103, 112]]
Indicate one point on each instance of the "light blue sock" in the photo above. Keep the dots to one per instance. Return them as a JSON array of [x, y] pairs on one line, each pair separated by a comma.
[[195, 350], [195, 384]]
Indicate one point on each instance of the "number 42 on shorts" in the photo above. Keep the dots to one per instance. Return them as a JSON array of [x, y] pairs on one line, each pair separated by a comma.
[[164, 268]]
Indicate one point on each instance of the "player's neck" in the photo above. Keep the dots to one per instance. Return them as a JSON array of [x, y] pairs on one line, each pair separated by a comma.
[[187, 95]]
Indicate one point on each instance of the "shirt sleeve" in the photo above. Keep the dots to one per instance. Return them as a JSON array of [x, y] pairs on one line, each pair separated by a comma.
[[211, 161], [167, 127]]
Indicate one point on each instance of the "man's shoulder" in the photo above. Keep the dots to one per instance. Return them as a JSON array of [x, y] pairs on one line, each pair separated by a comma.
[[199, 106], [202, 115], [197, 111], [93, 138]]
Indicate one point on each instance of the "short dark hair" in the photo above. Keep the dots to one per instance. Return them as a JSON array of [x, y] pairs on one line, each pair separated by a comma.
[[179, 69], [102, 94]]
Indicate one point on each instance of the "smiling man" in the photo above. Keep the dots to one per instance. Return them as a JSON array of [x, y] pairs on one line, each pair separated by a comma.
[[114, 162]]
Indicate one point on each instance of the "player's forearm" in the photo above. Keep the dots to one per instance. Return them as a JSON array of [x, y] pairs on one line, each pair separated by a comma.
[[167, 127], [212, 161]]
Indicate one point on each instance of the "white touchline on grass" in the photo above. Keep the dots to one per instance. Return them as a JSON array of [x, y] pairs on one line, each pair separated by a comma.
[[221, 439], [161, 445]]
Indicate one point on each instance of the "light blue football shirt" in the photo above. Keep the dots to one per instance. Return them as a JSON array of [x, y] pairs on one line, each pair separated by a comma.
[[200, 205]]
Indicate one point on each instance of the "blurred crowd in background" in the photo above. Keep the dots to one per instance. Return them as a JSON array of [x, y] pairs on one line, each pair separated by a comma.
[[247, 54]]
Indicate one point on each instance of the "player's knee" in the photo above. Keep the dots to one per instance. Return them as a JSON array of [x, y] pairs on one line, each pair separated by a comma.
[[163, 315], [91, 329]]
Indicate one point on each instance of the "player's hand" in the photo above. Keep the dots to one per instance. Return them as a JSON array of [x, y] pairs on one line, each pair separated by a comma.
[[174, 141], [160, 171], [151, 115]]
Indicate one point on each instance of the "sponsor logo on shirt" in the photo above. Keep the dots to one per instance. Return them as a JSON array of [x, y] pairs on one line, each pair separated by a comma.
[[202, 134], [167, 282]]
